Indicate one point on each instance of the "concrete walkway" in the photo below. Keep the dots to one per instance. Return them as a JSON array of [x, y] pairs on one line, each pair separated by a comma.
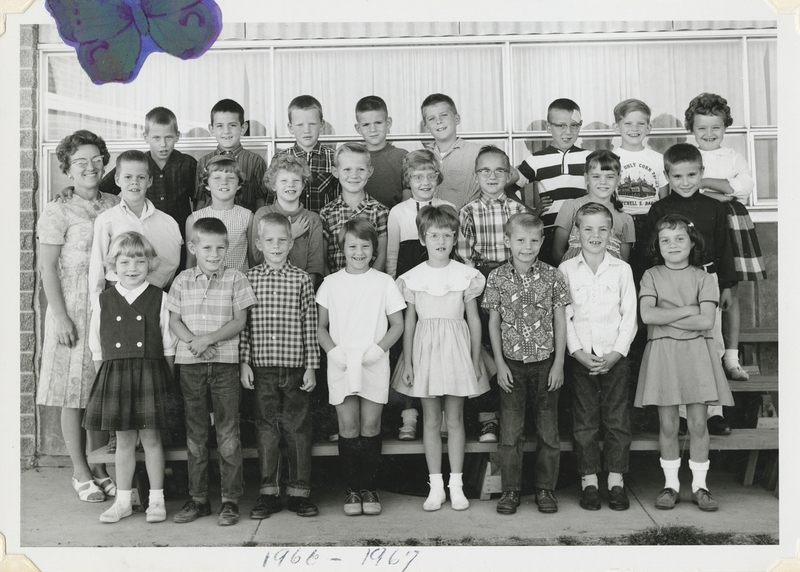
[[51, 515]]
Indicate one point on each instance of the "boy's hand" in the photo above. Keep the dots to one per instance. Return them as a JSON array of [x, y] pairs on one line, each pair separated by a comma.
[[199, 344], [209, 353], [246, 376], [611, 360], [300, 226], [544, 204], [555, 379], [64, 195], [309, 381], [338, 358], [373, 355], [504, 378], [725, 299], [591, 362]]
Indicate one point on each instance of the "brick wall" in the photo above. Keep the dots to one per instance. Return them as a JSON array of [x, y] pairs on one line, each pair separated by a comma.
[[28, 184]]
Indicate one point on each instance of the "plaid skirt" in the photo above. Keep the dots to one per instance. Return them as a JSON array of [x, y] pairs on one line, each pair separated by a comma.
[[131, 394], [747, 259]]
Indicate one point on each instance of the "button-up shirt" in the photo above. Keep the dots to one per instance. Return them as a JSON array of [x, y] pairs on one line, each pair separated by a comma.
[[205, 304], [282, 327], [458, 170], [321, 187], [253, 167], [482, 226], [337, 213], [526, 303], [602, 315]]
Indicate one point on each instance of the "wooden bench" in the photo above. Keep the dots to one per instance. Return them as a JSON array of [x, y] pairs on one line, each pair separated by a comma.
[[758, 335]]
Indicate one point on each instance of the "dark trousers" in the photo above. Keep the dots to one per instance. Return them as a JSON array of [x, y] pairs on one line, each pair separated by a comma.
[[601, 399], [221, 380], [281, 407], [529, 378]]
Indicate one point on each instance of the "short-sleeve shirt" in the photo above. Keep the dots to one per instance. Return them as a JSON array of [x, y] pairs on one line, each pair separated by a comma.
[[205, 304], [253, 167], [640, 178], [386, 183], [237, 221], [337, 213], [526, 304], [623, 230], [458, 170]]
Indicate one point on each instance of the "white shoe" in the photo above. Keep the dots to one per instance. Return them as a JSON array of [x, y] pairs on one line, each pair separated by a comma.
[[435, 500], [116, 513], [156, 512], [734, 371], [457, 499]]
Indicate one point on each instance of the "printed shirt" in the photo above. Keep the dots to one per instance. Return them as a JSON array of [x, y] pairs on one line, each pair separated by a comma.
[[321, 187], [602, 315], [252, 165], [482, 225], [282, 327], [172, 188], [205, 304], [640, 179], [525, 304], [337, 212], [458, 170]]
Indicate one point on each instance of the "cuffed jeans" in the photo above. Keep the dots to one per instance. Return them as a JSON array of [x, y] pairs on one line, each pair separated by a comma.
[[602, 399], [222, 381], [529, 377], [281, 406]]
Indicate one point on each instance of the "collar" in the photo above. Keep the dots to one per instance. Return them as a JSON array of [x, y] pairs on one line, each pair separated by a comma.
[[535, 268], [171, 159], [234, 151], [502, 199], [456, 145], [572, 149], [360, 206], [137, 291], [676, 197], [316, 149], [279, 209], [607, 261], [266, 269], [146, 211], [197, 272]]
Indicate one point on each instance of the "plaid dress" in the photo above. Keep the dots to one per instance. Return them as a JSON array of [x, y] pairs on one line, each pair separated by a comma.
[[134, 388], [747, 258]]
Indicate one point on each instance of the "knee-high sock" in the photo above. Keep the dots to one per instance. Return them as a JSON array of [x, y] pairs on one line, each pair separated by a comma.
[[370, 460], [350, 462]]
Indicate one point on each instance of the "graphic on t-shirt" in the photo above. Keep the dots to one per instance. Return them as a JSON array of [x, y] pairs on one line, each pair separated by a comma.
[[638, 187]]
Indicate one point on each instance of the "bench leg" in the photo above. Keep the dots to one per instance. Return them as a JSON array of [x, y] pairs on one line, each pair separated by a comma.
[[750, 472], [771, 472]]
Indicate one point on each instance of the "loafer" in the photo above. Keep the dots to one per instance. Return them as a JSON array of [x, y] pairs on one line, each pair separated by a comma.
[[191, 511], [590, 498], [265, 506], [352, 503], [546, 501], [228, 514], [667, 499], [509, 502], [618, 498], [370, 502], [718, 426], [703, 499], [302, 506]]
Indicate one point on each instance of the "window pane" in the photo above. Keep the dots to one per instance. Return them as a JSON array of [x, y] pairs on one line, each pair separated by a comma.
[[766, 170], [402, 76], [188, 87], [598, 76], [762, 67]]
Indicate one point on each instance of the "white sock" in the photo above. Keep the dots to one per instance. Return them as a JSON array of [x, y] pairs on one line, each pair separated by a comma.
[[731, 357], [123, 498], [156, 495], [435, 480], [409, 417], [699, 471], [588, 480], [671, 469], [615, 480]]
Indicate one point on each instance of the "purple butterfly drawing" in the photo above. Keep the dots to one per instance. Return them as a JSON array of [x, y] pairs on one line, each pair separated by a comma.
[[113, 37]]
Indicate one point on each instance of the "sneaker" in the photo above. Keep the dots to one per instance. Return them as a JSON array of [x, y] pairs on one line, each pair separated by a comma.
[[116, 513], [735, 372], [547, 501], [370, 503], [228, 514], [191, 511], [407, 433], [333, 438], [667, 499], [703, 499], [508, 503], [352, 503], [718, 426], [265, 506], [302, 506], [590, 498], [618, 499], [156, 512], [489, 432]]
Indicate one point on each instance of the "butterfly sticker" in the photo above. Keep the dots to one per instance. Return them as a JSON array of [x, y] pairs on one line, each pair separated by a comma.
[[113, 37]]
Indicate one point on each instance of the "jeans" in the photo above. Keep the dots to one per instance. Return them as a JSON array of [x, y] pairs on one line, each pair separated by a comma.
[[529, 377], [281, 407], [222, 381], [602, 399]]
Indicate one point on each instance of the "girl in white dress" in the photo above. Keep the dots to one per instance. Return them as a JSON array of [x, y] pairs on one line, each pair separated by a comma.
[[441, 350], [360, 318]]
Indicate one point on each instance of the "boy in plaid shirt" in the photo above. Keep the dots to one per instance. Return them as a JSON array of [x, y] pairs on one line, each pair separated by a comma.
[[278, 354], [208, 308]]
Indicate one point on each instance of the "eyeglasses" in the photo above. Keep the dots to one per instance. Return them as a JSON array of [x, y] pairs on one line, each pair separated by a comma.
[[486, 172], [435, 236], [574, 127], [97, 161], [430, 177]]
